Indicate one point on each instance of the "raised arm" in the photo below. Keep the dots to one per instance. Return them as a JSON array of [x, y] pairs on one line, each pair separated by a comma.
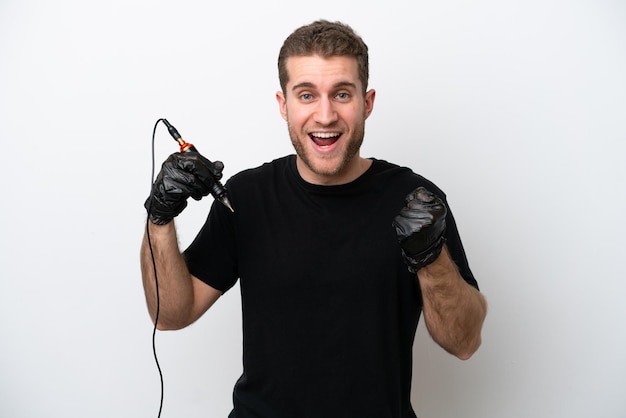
[[183, 298], [454, 311]]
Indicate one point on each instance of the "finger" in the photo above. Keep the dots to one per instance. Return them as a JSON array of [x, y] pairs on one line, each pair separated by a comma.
[[424, 195], [218, 166], [414, 193], [207, 171], [416, 211]]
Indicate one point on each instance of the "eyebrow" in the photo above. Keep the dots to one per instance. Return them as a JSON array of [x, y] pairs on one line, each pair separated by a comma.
[[307, 84]]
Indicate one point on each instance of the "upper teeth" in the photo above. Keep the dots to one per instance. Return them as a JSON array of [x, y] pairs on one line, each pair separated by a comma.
[[325, 134]]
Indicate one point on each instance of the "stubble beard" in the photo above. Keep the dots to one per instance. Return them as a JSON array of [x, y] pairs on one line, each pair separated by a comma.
[[352, 149]]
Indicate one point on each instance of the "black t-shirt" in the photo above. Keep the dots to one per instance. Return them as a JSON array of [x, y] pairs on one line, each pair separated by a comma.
[[329, 308]]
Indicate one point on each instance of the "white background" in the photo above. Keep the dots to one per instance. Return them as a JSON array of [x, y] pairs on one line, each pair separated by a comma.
[[517, 109]]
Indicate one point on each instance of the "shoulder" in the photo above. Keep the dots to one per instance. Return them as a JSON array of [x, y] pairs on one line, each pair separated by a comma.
[[262, 172], [402, 179], [257, 183]]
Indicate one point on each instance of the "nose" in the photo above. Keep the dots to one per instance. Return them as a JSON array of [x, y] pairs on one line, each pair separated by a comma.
[[325, 113]]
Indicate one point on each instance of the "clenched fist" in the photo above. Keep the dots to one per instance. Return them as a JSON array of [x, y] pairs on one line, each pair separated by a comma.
[[182, 175], [420, 227]]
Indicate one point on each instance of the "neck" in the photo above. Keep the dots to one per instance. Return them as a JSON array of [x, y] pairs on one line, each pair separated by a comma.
[[352, 172]]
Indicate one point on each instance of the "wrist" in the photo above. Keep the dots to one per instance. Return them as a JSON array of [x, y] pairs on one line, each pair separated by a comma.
[[440, 268], [157, 229], [159, 221], [160, 211], [417, 261]]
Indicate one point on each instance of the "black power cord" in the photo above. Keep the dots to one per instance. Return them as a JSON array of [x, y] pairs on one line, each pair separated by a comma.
[[156, 281], [218, 191]]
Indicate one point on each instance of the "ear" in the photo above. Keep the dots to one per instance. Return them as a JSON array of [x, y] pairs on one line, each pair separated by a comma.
[[282, 104], [369, 102]]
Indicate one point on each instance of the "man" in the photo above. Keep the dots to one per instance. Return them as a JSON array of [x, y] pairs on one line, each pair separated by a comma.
[[320, 243]]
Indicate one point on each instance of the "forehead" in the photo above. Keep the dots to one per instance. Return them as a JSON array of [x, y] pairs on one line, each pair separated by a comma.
[[322, 72]]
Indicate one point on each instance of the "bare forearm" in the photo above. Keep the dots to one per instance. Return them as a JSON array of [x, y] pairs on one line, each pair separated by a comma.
[[173, 278], [454, 311]]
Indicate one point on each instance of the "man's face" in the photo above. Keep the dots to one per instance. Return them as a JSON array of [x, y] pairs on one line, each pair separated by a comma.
[[325, 110]]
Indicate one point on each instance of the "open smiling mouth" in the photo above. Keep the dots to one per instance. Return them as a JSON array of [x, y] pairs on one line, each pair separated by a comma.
[[324, 139]]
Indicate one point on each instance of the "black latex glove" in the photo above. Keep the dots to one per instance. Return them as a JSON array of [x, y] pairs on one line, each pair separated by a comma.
[[182, 175], [420, 227]]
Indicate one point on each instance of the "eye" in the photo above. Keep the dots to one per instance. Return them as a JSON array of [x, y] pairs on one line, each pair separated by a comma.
[[343, 96], [306, 97]]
